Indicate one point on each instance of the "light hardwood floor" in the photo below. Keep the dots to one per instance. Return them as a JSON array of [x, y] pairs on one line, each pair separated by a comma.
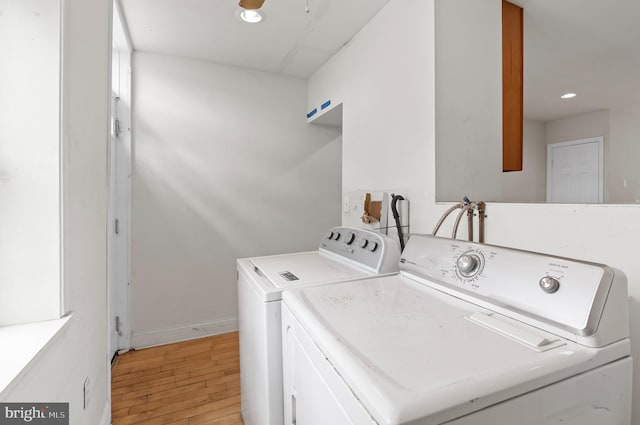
[[187, 383]]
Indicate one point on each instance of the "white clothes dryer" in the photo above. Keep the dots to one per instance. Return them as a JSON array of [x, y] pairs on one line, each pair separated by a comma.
[[344, 254], [466, 334]]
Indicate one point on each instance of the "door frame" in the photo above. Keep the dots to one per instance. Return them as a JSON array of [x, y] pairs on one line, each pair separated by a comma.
[[120, 163], [597, 139]]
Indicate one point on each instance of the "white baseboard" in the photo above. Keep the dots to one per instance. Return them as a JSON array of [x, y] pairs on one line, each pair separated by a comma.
[[167, 336], [106, 414]]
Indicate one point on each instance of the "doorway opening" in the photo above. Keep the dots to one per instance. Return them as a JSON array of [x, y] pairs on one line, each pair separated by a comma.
[[575, 171]]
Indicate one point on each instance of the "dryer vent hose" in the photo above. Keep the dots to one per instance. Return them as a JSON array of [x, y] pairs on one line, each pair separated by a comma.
[[396, 217]]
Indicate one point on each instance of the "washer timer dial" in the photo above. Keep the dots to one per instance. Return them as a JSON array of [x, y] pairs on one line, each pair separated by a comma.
[[469, 264]]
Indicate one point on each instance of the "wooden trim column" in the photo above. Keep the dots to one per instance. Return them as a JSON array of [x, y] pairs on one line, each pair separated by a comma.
[[512, 86]]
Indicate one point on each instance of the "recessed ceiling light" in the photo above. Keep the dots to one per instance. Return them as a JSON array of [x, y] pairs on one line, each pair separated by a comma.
[[568, 96], [251, 16]]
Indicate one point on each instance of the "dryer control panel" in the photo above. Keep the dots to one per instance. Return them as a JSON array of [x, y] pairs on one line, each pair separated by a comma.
[[564, 293], [377, 252]]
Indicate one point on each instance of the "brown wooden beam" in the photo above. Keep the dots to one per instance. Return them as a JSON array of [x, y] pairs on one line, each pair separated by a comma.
[[512, 86]]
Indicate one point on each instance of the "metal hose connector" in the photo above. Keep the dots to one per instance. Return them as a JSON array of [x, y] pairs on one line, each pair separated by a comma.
[[466, 207], [481, 216]]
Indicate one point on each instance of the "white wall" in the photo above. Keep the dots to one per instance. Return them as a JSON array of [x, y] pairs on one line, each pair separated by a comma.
[[80, 351], [387, 105], [469, 100], [29, 161], [225, 166], [468, 95], [578, 127], [530, 184], [394, 54], [622, 173]]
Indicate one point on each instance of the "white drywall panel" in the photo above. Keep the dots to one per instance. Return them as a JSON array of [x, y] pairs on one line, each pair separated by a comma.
[[225, 166], [530, 184], [29, 161], [469, 100]]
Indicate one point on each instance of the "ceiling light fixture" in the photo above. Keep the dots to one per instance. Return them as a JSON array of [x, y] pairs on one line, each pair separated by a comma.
[[250, 12], [251, 16], [568, 96]]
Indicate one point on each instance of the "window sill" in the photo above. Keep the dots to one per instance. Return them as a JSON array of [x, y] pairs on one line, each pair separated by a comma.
[[22, 346]]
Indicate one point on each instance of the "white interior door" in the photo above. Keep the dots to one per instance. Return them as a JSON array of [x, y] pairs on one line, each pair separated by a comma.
[[120, 192], [575, 172]]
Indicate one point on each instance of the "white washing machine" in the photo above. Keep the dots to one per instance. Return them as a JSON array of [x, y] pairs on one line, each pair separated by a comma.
[[466, 334], [344, 254]]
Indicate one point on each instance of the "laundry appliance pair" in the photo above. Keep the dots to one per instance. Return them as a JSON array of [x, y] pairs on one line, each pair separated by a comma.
[[465, 334]]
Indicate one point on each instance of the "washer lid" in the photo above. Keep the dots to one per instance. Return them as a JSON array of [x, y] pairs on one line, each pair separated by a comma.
[[408, 351], [289, 270]]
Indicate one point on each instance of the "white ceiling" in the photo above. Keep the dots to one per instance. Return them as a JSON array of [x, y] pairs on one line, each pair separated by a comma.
[[589, 47], [288, 41]]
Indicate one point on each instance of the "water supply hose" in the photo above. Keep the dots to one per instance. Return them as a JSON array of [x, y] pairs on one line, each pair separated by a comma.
[[444, 216]]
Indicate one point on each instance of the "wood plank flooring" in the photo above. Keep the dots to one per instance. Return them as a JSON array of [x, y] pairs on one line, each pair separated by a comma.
[[194, 382]]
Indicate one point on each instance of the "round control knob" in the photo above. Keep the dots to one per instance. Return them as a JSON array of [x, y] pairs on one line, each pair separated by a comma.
[[468, 264], [549, 284], [330, 235], [348, 240], [373, 246], [363, 243], [336, 236]]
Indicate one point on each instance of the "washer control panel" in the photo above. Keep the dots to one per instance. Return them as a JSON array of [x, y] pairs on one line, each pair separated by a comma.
[[568, 292], [370, 249]]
